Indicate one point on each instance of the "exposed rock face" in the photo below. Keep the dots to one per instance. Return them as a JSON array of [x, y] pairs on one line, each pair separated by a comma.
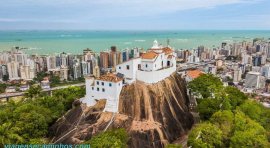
[[153, 115]]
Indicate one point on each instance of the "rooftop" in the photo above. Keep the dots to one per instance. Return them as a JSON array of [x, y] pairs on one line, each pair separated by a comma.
[[149, 55], [110, 77], [194, 73], [166, 50]]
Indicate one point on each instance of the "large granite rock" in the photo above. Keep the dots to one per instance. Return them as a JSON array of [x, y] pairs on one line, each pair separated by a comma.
[[153, 115]]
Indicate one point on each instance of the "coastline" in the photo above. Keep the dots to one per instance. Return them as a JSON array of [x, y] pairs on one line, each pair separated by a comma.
[[74, 41]]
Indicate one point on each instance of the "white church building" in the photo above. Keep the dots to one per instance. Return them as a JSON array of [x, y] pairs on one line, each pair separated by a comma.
[[153, 66]]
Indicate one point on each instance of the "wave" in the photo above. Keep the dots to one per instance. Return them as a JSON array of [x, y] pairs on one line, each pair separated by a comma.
[[227, 40], [34, 48], [139, 40], [65, 35], [182, 40], [127, 43]]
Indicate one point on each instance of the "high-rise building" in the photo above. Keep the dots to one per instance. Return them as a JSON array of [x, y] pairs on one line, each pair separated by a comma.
[[104, 60], [63, 59], [96, 71], [254, 80], [27, 73], [4, 71], [237, 73], [64, 73], [265, 71], [85, 70], [51, 62], [257, 60], [13, 68], [76, 69]]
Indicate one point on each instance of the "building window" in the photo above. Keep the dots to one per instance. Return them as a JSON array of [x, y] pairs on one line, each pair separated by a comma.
[[127, 67], [97, 82], [102, 83], [103, 89], [119, 67], [92, 88], [97, 89], [110, 84]]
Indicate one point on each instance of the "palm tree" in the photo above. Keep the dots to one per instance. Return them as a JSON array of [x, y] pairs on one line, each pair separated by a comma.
[[8, 135], [33, 92]]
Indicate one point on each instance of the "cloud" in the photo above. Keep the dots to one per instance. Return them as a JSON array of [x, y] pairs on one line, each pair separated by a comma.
[[126, 7], [117, 13]]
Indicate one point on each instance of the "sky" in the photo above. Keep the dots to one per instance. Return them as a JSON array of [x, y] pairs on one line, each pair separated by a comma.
[[135, 15]]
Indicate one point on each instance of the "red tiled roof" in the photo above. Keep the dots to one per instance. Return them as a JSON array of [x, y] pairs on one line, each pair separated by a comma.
[[167, 50], [110, 77], [194, 73], [149, 55]]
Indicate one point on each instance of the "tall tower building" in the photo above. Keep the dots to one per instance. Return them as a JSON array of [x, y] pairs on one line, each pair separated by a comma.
[[13, 68], [104, 60]]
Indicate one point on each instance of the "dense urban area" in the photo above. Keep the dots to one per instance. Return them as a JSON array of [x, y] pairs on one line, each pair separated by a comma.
[[228, 87]]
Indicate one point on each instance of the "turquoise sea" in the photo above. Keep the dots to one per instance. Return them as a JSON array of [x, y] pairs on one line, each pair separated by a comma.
[[48, 42]]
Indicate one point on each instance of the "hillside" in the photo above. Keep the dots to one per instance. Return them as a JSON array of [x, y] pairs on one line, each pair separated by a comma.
[[153, 115]]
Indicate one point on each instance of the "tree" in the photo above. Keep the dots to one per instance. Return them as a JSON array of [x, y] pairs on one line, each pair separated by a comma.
[[2, 87], [8, 135], [253, 110], [207, 107], [205, 135], [54, 80], [205, 85], [33, 92], [31, 125], [54, 104], [40, 76], [27, 121], [68, 95], [248, 133], [224, 120], [112, 138], [173, 146], [235, 95], [257, 112]]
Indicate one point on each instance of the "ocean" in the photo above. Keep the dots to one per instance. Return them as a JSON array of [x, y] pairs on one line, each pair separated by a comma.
[[49, 42]]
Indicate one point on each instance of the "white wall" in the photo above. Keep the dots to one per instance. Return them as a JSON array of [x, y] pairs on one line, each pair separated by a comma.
[[111, 93], [155, 76], [131, 72], [147, 65]]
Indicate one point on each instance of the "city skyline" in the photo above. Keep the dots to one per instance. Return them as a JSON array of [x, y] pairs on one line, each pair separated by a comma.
[[135, 15]]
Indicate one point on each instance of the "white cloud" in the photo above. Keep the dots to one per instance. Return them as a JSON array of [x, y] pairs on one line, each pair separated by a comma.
[[130, 7]]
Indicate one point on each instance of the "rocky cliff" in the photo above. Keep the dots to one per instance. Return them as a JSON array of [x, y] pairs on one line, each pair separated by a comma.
[[153, 115]]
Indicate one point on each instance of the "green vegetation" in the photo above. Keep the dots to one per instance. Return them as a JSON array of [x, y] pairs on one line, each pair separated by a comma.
[[174, 146], [205, 135], [205, 85], [229, 118], [33, 92], [2, 88], [28, 121], [54, 80], [112, 138], [40, 76]]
